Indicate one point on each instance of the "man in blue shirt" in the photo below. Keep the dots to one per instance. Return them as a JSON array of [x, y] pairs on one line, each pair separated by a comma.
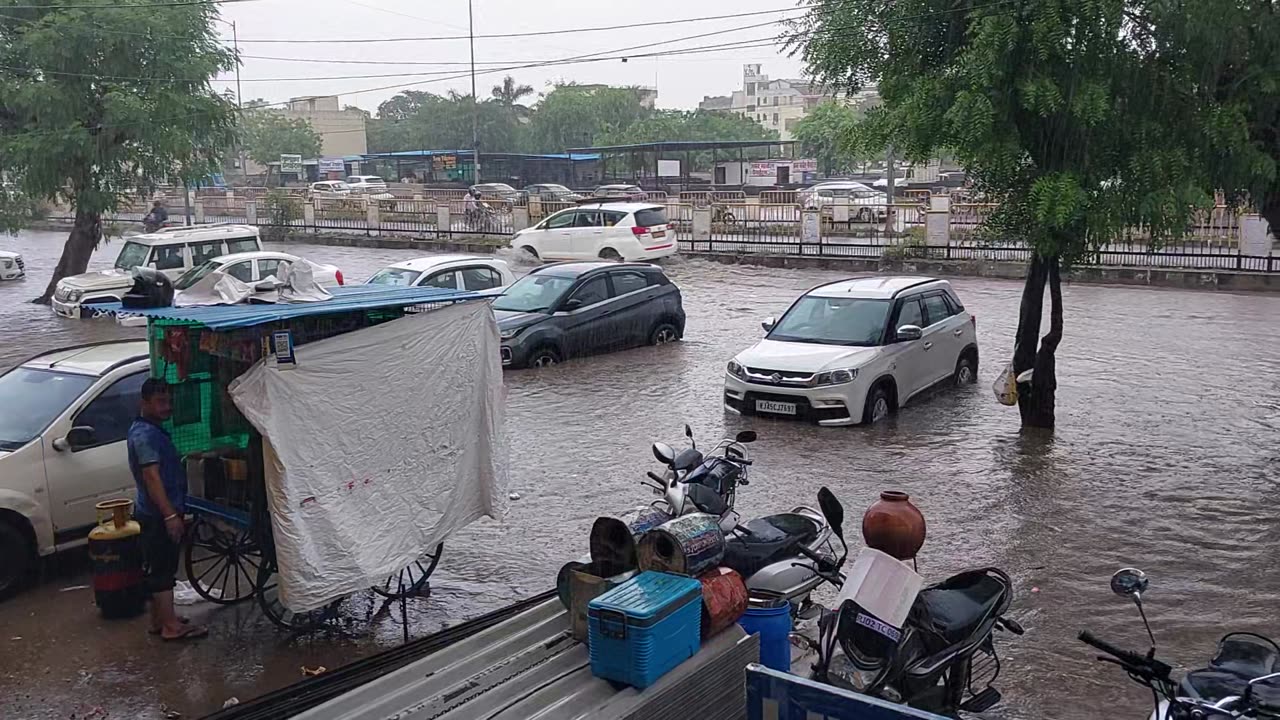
[[161, 479]]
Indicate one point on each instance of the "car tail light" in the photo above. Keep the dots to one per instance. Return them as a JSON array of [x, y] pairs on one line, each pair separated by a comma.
[[973, 320], [338, 274], [638, 230]]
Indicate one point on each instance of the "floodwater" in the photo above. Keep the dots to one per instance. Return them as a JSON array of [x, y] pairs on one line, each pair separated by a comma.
[[1166, 457]]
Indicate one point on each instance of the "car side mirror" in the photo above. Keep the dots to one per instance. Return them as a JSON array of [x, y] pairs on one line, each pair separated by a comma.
[[79, 436], [768, 324], [572, 304], [910, 332], [664, 453]]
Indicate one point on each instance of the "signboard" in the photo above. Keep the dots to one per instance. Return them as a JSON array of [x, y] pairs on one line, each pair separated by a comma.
[[804, 165], [291, 164], [328, 165], [668, 168], [283, 342], [444, 162], [767, 168]]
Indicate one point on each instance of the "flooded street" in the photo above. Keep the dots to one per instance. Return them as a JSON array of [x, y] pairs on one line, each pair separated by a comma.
[[1167, 457]]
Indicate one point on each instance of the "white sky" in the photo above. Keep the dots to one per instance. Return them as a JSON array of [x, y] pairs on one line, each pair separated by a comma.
[[682, 80]]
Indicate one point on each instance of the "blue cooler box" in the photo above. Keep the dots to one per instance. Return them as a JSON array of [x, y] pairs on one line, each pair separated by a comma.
[[644, 627]]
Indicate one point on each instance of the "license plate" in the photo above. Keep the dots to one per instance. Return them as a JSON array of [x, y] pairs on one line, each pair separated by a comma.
[[781, 408], [659, 233]]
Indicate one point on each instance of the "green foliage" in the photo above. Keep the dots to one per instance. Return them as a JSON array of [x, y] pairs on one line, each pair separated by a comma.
[[682, 125], [415, 120], [267, 135], [829, 134], [579, 116], [280, 210], [509, 94], [96, 104], [1081, 117]]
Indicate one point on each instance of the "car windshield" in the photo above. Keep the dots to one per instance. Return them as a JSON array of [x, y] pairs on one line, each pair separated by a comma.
[[341, 186], [32, 399], [533, 293], [833, 321], [394, 276], [132, 255], [195, 274]]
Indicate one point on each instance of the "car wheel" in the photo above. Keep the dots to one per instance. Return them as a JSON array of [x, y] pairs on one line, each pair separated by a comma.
[[543, 357], [17, 553], [878, 405], [610, 254], [664, 333], [528, 250], [864, 215], [966, 373], [729, 219]]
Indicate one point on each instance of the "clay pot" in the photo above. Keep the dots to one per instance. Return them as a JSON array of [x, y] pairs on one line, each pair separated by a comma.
[[894, 526]]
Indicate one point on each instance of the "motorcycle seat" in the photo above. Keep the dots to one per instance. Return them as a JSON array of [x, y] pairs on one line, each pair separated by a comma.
[[772, 538], [951, 612], [1240, 657]]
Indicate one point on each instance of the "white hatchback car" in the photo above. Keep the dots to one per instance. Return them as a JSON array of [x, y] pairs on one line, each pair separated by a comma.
[[475, 273], [250, 267], [854, 351], [595, 231]]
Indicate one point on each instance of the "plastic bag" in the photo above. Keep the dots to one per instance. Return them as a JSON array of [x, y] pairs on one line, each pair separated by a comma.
[[1006, 386]]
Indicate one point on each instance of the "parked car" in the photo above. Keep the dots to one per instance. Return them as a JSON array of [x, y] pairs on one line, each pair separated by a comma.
[[329, 190], [250, 267], [621, 192], [366, 183], [62, 447], [549, 192], [497, 191], [608, 231], [173, 251], [855, 351], [868, 204], [455, 272], [572, 309], [11, 265]]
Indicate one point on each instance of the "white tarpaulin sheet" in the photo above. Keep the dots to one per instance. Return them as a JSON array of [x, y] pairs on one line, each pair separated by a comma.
[[379, 444]]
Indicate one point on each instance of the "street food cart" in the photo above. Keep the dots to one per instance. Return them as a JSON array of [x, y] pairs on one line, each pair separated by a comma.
[[330, 440]]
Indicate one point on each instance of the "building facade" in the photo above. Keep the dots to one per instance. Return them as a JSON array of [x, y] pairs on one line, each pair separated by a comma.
[[342, 132], [776, 104]]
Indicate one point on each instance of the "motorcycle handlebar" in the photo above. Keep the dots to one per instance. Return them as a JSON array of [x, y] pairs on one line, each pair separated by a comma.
[[1127, 657]]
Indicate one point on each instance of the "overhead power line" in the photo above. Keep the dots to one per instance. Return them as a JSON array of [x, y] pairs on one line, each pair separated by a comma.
[[129, 6]]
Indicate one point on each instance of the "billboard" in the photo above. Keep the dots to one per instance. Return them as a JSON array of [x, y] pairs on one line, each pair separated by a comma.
[[291, 164], [328, 165]]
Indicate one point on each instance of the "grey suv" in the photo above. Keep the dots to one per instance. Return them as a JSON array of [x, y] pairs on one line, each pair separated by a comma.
[[581, 308]]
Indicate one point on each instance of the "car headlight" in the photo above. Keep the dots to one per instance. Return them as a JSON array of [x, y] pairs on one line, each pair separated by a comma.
[[510, 333], [836, 377], [735, 369], [6, 263]]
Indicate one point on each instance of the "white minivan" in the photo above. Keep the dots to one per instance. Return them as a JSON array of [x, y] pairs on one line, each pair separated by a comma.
[[601, 231], [172, 251], [62, 447]]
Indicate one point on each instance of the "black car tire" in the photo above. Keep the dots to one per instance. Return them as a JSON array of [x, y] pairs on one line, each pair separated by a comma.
[[878, 394], [966, 370], [729, 219], [864, 215], [663, 333], [610, 254], [17, 554], [544, 356]]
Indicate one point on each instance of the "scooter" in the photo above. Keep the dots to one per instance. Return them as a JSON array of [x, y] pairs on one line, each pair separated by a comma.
[[765, 551], [943, 660], [1241, 681]]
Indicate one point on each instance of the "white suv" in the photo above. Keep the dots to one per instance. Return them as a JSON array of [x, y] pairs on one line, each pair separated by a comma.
[[855, 350], [601, 231], [62, 447], [11, 265], [171, 250]]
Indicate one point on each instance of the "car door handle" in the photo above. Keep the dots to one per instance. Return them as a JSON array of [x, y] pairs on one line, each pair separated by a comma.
[[928, 345], [957, 332]]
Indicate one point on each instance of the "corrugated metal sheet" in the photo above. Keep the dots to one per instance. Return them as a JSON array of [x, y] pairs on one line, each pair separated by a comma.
[[345, 299], [773, 695], [529, 668]]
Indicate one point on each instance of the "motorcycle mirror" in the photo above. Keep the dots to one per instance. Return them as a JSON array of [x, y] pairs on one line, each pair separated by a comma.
[[688, 432], [746, 436], [833, 511], [664, 453], [1131, 582]]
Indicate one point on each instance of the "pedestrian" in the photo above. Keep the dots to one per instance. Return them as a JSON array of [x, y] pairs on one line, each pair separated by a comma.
[[161, 480]]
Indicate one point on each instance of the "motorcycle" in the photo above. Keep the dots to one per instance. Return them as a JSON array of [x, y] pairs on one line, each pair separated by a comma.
[[941, 656], [1241, 681], [765, 551]]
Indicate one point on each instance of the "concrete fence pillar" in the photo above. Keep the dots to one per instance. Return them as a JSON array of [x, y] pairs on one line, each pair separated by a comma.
[[1253, 236], [535, 207], [701, 224], [519, 218], [937, 222], [231, 195], [810, 226], [373, 217], [309, 216], [840, 211], [198, 208], [251, 212], [442, 220]]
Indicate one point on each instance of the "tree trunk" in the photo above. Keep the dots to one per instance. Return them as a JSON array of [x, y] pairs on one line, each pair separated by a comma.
[[83, 240], [1036, 399]]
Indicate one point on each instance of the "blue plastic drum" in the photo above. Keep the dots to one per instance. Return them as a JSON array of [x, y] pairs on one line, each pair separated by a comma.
[[772, 621]]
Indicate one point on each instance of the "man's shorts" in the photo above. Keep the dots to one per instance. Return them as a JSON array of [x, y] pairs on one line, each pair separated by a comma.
[[159, 555]]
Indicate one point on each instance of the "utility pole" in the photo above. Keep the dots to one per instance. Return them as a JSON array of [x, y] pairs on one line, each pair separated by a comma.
[[235, 43], [475, 108], [890, 223]]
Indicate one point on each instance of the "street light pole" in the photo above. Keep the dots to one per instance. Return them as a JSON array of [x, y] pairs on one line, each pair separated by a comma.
[[235, 43], [475, 108]]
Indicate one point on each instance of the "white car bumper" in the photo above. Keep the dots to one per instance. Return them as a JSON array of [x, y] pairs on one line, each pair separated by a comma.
[[651, 249], [65, 309], [12, 272], [830, 405]]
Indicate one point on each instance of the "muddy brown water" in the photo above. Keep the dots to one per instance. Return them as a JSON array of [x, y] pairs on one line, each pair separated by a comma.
[[1167, 457]]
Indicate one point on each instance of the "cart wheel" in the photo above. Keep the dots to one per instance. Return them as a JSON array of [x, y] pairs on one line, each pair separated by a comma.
[[269, 601], [410, 581], [222, 564]]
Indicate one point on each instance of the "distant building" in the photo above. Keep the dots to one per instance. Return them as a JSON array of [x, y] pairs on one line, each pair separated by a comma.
[[647, 96], [342, 132], [777, 104]]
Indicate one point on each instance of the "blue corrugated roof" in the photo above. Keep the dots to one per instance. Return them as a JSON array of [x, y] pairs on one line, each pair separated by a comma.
[[467, 153], [345, 299]]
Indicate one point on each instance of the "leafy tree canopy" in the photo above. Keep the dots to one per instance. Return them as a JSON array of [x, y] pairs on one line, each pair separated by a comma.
[[268, 134], [829, 135]]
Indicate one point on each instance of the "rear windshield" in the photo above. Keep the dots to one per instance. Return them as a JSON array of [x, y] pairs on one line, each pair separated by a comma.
[[650, 217]]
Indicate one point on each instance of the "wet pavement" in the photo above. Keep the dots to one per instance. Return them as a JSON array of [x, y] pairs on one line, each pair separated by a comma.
[[1167, 457]]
